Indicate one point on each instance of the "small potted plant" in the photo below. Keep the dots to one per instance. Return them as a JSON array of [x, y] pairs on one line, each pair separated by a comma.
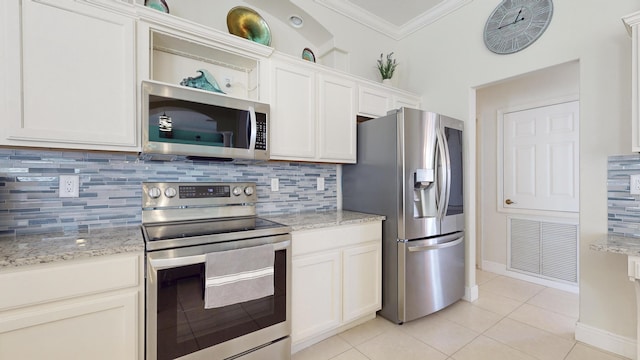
[[387, 67]]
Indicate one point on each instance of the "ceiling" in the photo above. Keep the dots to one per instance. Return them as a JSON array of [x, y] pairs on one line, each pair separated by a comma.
[[396, 19]]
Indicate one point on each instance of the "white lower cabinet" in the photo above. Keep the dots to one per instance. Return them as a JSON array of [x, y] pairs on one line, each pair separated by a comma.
[[317, 293], [362, 283], [337, 280], [87, 309]]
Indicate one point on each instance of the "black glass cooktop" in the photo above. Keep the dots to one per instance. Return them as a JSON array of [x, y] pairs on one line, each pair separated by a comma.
[[193, 228]]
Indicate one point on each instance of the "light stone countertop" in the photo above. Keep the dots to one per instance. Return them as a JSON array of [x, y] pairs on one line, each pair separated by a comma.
[[618, 245], [25, 250], [315, 220]]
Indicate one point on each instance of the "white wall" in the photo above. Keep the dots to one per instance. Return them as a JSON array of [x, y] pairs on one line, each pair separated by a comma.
[[451, 61]]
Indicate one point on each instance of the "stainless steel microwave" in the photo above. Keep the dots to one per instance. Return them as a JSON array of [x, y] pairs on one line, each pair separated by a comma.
[[178, 120]]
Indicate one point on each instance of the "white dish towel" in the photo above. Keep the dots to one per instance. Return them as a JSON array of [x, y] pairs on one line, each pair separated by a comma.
[[236, 276]]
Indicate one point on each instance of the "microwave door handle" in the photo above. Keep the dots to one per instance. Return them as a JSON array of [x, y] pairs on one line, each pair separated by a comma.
[[254, 128]]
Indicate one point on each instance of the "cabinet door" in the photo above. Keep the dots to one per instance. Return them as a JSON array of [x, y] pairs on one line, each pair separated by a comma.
[[84, 328], [404, 101], [336, 119], [293, 116], [373, 102], [77, 77], [316, 296], [362, 274], [634, 21]]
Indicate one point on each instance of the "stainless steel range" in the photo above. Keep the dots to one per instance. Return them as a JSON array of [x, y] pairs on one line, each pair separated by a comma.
[[199, 238]]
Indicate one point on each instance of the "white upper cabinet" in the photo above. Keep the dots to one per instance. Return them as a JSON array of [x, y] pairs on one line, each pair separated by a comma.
[[376, 100], [404, 100], [336, 118], [171, 49], [632, 21], [293, 112], [373, 102], [68, 75], [71, 73], [313, 113]]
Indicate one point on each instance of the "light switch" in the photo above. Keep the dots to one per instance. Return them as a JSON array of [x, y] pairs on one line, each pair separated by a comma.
[[320, 184], [275, 185]]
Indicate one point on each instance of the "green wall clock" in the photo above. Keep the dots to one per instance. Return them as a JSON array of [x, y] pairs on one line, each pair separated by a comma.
[[516, 24]]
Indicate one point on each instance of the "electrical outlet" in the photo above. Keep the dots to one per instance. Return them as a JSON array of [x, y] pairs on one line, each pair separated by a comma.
[[275, 186], [320, 184], [69, 186], [634, 184]]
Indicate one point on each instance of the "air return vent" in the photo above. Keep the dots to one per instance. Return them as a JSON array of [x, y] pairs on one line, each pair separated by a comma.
[[544, 249]]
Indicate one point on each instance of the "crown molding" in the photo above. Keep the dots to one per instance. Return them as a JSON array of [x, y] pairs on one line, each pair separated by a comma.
[[376, 23], [631, 20]]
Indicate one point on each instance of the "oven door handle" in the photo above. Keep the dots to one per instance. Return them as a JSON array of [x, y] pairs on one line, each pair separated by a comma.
[[197, 259]]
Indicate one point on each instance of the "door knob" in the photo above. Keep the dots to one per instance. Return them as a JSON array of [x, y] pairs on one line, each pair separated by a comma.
[[509, 202]]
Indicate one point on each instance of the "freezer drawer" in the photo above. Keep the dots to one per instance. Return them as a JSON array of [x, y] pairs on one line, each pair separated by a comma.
[[431, 275]]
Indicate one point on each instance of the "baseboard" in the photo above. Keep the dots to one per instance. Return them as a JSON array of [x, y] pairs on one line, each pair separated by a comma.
[[494, 267], [471, 293], [605, 340], [501, 269]]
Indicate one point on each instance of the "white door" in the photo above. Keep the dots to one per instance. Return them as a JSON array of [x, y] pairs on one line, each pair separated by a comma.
[[541, 158]]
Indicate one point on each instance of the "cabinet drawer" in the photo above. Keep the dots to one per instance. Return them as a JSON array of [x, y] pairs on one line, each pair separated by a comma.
[[43, 283], [308, 241]]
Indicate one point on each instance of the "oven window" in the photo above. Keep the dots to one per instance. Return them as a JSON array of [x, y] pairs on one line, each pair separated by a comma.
[[185, 326]]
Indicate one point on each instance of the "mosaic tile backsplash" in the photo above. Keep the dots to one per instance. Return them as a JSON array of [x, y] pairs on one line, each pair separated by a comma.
[[623, 208], [110, 187]]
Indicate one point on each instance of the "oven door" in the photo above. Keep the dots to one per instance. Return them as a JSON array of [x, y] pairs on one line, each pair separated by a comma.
[[178, 325]]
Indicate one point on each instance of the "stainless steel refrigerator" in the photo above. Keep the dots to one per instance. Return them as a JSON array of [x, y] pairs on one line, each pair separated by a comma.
[[410, 170]]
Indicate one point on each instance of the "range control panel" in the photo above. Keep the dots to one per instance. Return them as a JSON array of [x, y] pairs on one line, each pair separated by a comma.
[[180, 194]]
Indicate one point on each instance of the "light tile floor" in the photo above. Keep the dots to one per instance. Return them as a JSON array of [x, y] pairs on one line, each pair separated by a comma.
[[511, 320]]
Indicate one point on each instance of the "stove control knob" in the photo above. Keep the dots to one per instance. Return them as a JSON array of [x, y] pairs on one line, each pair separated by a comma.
[[170, 192], [154, 192], [248, 190], [237, 191]]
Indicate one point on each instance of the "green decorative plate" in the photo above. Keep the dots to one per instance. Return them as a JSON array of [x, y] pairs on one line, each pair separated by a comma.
[[247, 23], [308, 55]]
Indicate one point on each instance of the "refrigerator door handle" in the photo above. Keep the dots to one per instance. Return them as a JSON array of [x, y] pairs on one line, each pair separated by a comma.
[[444, 177], [418, 248]]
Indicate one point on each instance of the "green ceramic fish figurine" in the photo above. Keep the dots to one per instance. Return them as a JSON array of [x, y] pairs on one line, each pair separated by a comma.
[[204, 81]]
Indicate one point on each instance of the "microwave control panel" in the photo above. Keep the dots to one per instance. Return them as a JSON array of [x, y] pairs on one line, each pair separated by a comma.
[[261, 133]]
